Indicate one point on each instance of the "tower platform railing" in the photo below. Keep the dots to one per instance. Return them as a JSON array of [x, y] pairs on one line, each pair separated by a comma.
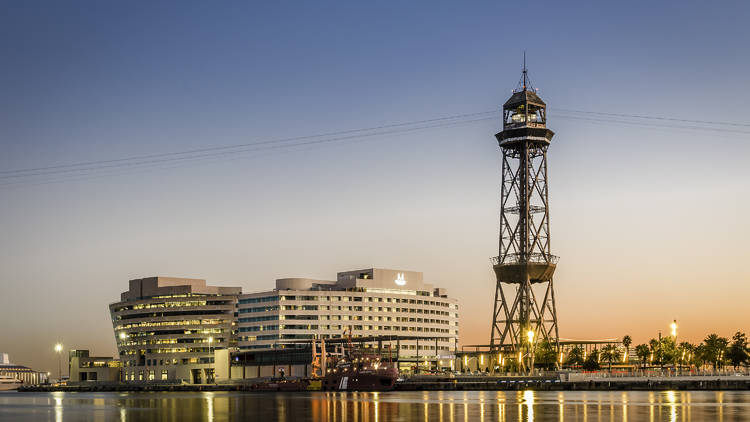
[[517, 258]]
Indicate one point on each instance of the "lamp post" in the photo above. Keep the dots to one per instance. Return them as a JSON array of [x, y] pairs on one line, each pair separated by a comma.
[[673, 328], [123, 337], [530, 336], [58, 350], [210, 367]]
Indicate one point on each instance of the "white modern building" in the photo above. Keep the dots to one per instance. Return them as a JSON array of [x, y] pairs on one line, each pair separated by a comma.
[[168, 329], [369, 302]]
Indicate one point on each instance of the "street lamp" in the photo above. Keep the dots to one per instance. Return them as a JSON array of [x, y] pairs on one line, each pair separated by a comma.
[[58, 350], [123, 337], [530, 336]]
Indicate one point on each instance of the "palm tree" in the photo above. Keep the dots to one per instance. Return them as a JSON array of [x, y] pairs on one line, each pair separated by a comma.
[[609, 354], [738, 350], [716, 348], [643, 352], [592, 361], [575, 356], [627, 341], [545, 355], [655, 346], [699, 356]]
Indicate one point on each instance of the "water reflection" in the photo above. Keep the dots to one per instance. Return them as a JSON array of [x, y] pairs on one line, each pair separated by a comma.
[[448, 406], [58, 406], [528, 399]]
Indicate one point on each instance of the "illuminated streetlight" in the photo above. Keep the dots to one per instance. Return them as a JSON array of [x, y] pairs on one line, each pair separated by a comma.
[[58, 350], [530, 336]]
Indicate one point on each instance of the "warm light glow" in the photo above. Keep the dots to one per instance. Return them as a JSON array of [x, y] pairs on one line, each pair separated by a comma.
[[530, 335], [58, 347], [123, 336], [466, 360], [673, 326], [400, 279], [481, 359], [210, 339], [561, 357]]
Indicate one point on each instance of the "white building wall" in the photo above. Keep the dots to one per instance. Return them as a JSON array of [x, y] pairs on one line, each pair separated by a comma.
[[371, 302]]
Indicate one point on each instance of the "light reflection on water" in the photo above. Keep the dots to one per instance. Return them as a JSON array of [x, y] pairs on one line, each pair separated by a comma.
[[441, 406]]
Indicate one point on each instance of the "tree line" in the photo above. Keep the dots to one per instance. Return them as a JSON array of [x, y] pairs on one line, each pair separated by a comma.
[[714, 351]]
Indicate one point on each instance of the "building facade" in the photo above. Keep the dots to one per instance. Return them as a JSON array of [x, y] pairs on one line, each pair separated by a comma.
[[167, 329], [85, 368], [369, 302]]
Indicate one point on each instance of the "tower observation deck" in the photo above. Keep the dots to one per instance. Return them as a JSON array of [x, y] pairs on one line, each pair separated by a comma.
[[524, 312]]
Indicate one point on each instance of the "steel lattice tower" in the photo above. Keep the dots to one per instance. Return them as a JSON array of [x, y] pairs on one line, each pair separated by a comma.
[[524, 263]]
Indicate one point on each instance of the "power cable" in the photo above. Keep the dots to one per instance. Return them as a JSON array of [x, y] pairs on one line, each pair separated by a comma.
[[226, 147]]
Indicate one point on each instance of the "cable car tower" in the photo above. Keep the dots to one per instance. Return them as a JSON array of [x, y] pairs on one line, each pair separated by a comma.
[[524, 312]]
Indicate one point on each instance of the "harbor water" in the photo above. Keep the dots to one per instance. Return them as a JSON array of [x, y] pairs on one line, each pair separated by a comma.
[[448, 406]]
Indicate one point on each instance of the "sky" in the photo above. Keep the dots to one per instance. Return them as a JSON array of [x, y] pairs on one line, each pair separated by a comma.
[[649, 217]]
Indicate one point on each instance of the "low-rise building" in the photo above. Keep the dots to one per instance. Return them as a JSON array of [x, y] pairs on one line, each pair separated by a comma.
[[85, 368]]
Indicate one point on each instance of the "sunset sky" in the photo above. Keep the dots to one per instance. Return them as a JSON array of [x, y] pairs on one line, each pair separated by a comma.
[[649, 217]]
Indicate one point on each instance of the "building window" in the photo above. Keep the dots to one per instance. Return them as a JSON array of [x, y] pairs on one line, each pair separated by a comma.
[[151, 375], [140, 375], [163, 374]]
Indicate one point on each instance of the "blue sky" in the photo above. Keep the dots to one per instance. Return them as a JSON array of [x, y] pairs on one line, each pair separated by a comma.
[[638, 207]]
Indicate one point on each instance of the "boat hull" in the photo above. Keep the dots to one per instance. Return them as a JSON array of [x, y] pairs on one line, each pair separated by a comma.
[[10, 386], [361, 381]]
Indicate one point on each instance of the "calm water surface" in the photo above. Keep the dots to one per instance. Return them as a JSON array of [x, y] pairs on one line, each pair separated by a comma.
[[373, 407]]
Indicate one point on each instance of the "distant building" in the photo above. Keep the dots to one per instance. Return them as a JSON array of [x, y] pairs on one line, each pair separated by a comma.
[[369, 302], [20, 372], [85, 368], [167, 329]]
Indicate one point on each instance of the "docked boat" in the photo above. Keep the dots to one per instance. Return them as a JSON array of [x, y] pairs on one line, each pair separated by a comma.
[[9, 383], [302, 384], [360, 374]]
